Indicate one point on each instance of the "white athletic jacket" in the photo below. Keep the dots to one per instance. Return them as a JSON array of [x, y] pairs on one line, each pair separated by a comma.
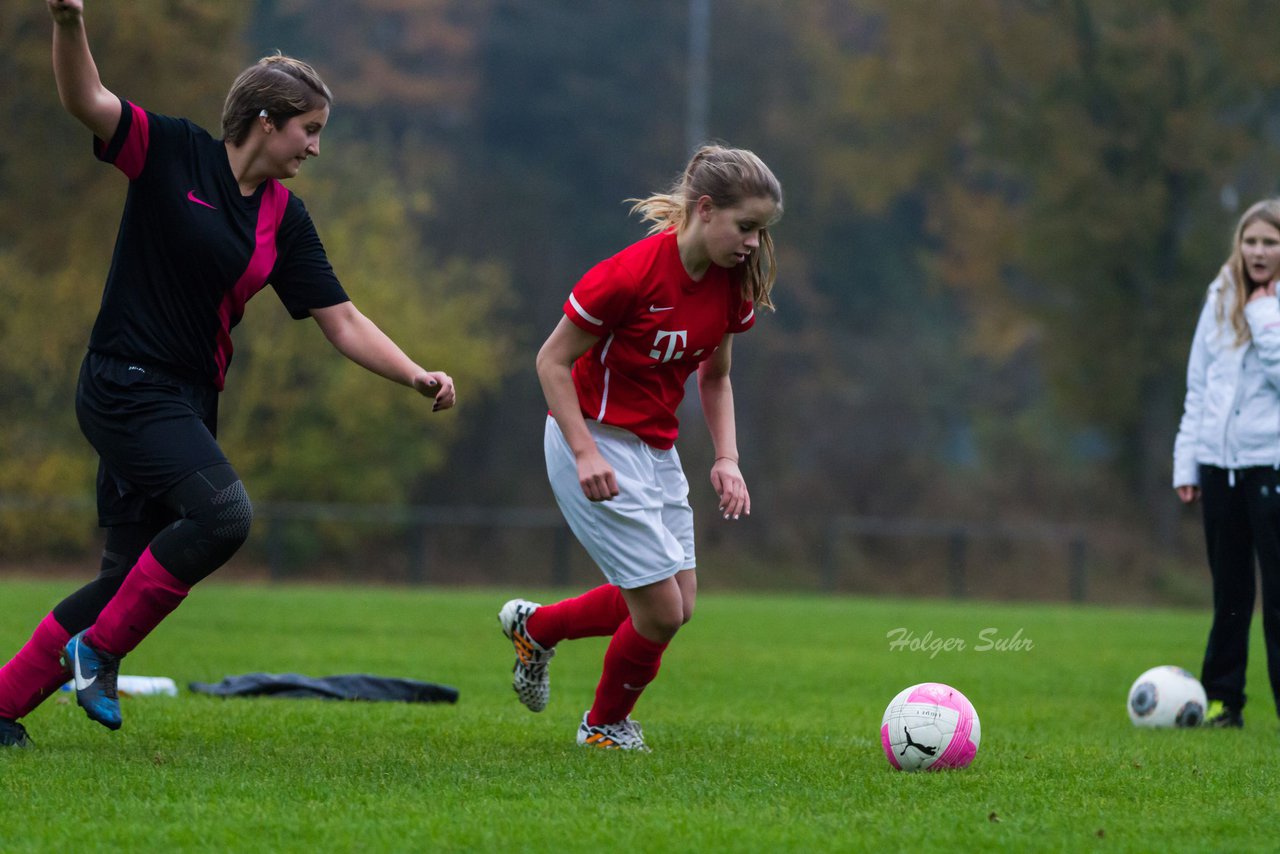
[[1231, 418]]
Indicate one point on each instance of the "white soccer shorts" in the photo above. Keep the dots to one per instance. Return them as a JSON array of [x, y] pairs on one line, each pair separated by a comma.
[[645, 533]]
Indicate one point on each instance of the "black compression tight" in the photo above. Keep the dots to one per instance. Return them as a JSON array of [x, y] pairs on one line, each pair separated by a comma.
[[125, 543], [213, 520]]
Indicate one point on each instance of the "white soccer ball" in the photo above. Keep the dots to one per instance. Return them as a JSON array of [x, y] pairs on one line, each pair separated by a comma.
[[930, 726], [1167, 696]]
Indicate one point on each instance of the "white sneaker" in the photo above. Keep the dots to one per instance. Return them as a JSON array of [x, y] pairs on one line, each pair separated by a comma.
[[624, 735], [529, 676]]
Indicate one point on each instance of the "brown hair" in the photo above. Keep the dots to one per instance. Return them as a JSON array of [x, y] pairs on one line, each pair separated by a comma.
[[1268, 211], [727, 176], [283, 86]]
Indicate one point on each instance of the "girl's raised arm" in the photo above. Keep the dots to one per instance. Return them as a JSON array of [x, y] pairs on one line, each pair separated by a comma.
[[79, 87]]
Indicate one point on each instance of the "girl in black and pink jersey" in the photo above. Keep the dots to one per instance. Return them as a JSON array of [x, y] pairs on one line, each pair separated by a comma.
[[206, 225], [634, 329]]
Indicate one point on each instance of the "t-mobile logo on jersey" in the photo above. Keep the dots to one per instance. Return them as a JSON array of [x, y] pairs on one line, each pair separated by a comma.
[[674, 340]]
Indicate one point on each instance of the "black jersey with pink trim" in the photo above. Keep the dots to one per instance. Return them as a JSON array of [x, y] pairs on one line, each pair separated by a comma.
[[192, 250]]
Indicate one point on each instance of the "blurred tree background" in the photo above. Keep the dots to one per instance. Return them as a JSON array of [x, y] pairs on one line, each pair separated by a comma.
[[1001, 217]]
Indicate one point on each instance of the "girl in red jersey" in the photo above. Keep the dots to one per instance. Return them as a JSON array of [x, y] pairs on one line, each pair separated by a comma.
[[613, 372], [206, 225]]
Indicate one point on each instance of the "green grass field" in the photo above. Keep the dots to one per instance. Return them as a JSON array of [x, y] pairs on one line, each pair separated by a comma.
[[764, 728]]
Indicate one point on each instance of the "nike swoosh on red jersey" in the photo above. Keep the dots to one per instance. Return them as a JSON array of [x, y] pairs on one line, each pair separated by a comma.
[[191, 197], [653, 307]]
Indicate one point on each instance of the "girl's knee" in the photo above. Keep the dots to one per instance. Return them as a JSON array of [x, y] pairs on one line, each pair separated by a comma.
[[216, 518], [659, 627]]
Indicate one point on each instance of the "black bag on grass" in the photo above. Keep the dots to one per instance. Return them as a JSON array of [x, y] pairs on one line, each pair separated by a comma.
[[352, 686]]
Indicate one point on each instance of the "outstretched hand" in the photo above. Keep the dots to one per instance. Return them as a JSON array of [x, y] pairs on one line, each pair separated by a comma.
[[438, 385], [66, 11]]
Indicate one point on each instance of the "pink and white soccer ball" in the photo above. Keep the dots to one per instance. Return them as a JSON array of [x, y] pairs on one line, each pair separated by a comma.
[[930, 726], [1167, 696]]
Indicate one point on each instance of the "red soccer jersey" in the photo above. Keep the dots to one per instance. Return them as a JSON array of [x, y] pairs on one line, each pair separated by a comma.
[[655, 325]]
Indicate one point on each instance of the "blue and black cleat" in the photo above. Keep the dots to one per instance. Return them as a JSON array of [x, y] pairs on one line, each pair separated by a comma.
[[93, 676]]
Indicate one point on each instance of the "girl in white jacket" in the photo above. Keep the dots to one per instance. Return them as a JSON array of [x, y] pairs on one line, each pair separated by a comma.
[[1228, 453]]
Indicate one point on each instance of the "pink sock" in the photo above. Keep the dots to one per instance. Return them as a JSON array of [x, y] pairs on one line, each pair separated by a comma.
[[630, 663], [148, 595], [35, 672], [596, 613]]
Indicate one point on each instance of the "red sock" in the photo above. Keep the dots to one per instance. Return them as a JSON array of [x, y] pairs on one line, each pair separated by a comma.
[[630, 663], [596, 613], [35, 672], [148, 595]]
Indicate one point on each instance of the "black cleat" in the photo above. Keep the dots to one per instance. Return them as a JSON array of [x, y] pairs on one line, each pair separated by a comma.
[[1223, 716], [13, 734]]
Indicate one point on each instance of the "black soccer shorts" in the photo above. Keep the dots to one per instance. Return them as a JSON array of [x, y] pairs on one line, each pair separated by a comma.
[[151, 429]]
